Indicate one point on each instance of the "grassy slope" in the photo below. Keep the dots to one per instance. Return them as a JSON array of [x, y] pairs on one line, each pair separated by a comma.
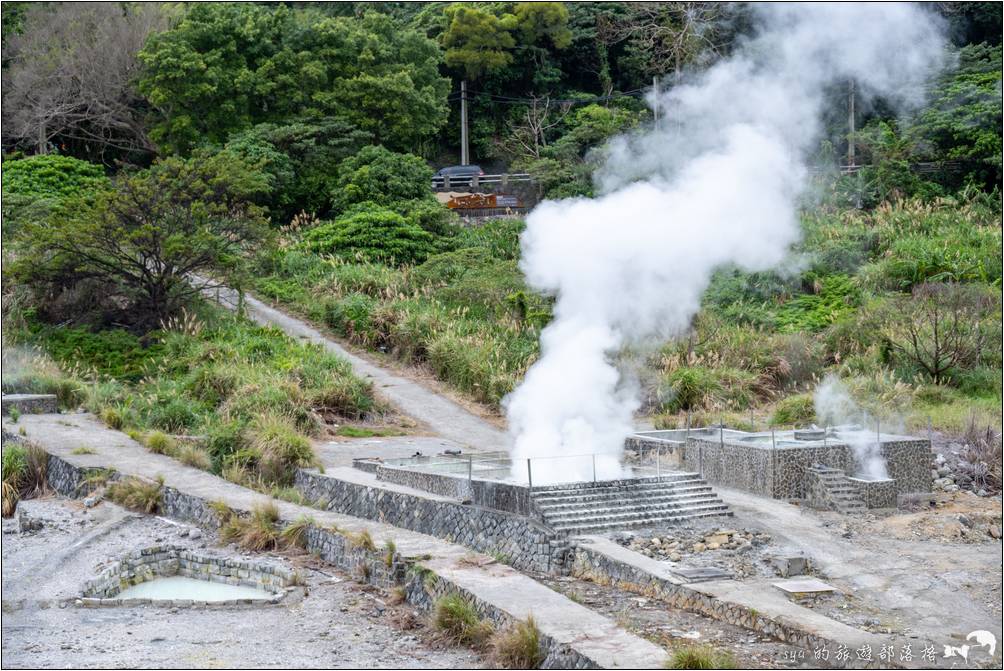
[[759, 344]]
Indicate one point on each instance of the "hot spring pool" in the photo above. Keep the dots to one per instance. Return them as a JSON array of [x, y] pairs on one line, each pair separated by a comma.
[[181, 588]]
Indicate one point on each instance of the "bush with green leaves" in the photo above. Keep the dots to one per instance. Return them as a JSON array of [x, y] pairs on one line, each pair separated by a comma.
[[378, 175], [371, 233]]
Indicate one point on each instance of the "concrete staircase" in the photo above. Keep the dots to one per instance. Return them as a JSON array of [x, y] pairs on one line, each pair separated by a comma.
[[626, 504], [832, 489]]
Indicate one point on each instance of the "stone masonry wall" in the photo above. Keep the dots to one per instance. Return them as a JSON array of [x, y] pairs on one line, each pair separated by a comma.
[[600, 568], [876, 493], [373, 566], [157, 561], [525, 544], [488, 493]]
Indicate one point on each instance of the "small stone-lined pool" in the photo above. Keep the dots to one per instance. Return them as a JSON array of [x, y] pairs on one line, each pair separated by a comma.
[[182, 588]]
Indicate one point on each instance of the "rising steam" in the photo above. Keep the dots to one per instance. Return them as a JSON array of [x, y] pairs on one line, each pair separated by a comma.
[[717, 185]]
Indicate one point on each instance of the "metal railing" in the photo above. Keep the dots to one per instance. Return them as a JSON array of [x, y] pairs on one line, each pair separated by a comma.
[[446, 181], [642, 461]]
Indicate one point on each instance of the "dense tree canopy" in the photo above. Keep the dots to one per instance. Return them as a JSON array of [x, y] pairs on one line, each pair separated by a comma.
[[228, 66]]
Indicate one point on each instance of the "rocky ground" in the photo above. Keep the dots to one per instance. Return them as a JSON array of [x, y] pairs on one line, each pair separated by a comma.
[[671, 628], [339, 624], [743, 553]]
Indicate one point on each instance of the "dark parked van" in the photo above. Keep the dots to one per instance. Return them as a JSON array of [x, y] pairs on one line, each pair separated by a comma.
[[460, 175]]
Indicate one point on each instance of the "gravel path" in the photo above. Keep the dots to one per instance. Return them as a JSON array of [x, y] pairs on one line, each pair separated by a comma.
[[441, 415]]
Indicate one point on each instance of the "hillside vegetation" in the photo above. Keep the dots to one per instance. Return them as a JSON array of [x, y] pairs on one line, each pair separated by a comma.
[[288, 151]]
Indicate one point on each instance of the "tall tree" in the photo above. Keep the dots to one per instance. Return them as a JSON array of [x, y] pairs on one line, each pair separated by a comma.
[[142, 241], [229, 66], [69, 78]]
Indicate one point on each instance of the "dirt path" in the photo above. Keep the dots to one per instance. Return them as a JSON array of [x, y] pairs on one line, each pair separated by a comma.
[[442, 416]]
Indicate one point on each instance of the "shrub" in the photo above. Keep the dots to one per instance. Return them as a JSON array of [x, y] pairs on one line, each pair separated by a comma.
[[689, 387], [136, 494], [362, 539], [518, 646], [159, 442], [370, 232], [379, 175], [941, 327], [280, 449], [700, 657], [223, 440], [112, 417], [295, 535], [257, 532], [190, 455], [499, 237], [25, 474], [796, 409], [457, 619]]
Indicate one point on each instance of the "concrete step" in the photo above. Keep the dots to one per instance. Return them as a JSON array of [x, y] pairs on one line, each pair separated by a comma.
[[625, 512], [603, 488], [595, 528], [636, 515], [621, 496], [681, 497], [633, 482]]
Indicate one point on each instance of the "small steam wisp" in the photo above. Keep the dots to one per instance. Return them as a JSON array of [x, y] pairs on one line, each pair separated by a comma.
[[718, 186], [854, 426]]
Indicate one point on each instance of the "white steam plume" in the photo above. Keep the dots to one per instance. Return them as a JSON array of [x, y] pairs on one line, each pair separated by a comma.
[[718, 185], [854, 426]]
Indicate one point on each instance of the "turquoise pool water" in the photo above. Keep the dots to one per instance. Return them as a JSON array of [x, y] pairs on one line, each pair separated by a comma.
[[180, 587]]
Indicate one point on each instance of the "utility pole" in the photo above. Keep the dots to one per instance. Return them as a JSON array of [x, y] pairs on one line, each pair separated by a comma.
[[655, 98], [850, 126], [464, 154]]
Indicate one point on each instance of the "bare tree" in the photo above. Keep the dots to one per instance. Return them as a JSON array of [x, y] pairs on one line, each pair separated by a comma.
[[527, 136], [941, 327], [69, 77], [669, 34]]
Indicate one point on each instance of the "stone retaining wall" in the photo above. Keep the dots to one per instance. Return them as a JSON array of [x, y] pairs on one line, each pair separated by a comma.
[[156, 561], [29, 404], [876, 493], [374, 566], [600, 568], [519, 541], [781, 473], [504, 496]]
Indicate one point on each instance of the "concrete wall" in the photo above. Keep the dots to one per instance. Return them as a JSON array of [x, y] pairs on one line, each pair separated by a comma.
[[507, 497], [524, 543]]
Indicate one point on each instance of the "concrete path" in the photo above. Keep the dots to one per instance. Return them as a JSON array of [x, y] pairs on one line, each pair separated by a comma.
[[925, 585], [442, 416], [558, 617]]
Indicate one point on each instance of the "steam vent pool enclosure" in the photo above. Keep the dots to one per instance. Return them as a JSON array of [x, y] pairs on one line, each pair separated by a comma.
[[789, 465], [667, 476], [165, 575]]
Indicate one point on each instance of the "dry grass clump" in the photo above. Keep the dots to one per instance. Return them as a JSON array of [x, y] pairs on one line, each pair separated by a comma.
[[193, 456], [295, 535], [457, 620], [137, 494], [159, 442], [361, 539], [25, 471], [517, 646], [279, 448], [700, 657], [257, 532]]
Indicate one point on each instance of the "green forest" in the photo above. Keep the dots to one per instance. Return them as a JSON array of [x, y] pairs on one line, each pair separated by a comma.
[[287, 150]]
